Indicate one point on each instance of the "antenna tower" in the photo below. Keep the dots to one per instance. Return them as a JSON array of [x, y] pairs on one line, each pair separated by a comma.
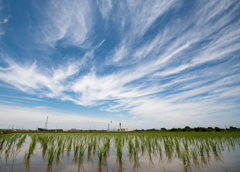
[[46, 123]]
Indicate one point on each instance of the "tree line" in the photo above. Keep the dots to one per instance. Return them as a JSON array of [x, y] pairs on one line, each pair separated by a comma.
[[195, 129]]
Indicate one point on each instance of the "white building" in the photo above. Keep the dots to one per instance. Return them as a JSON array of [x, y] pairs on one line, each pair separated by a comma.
[[128, 129]]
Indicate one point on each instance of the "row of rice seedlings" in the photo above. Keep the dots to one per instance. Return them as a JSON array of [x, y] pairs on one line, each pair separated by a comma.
[[119, 147], [31, 147], [9, 145], [136, 158], [94, 144], [185, 157], [59, 149], [2, 141], [130, 146], [51, 154], [69, 147], [44, 143], [81, 151], [63, 147], [30, 151], [191, 146], [143, 145], [21, 141], [101, 151]]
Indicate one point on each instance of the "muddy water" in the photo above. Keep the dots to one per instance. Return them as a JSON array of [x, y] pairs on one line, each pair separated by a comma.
[[227, 159]]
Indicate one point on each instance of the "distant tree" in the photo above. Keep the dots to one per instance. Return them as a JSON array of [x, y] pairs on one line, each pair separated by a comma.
[[163, 129], [179, 129], [200, 129], [187, 128], [209, 129], [152, 129], [203, 129], [217, 129], [173, 129], [233, 128]]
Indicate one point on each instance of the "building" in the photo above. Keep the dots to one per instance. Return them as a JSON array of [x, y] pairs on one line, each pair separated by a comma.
[[128, 128], [42, 129], [73, 129]]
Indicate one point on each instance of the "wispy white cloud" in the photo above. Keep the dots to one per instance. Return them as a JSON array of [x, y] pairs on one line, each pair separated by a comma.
[[5, 20], [105, 7], [32, 79], [26, 98], [71, 22], [139, 16], [187, 68], [2, 21]]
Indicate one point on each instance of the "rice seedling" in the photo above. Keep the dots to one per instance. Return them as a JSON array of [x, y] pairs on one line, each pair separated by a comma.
[[130, 146], [185, 144], [100, 153], [160, 151], [185, 157], [89, 148], [201, 149], [69, 147], [44, 146], [63, 147], [136, 143], [76, 150], [94, 146], [149, 148], [1, 143], [51, 154], [81, 151], [31, 147], [119, 151], [143, 145], [21, 141], [177, 145], [194, 153], [136, 158]]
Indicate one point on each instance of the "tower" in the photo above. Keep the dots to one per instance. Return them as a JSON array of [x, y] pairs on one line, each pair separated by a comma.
[[46, 123]]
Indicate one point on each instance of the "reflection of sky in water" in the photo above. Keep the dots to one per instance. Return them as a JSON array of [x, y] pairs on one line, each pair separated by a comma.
[[227, 160]]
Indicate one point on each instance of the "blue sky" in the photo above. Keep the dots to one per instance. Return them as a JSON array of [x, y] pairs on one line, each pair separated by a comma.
[[146, 64]]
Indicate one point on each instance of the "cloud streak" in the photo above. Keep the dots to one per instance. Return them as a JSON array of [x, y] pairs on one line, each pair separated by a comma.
[[164, 64]]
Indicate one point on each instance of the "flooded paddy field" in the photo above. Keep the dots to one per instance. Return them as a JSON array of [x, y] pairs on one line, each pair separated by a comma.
[[120, 152]]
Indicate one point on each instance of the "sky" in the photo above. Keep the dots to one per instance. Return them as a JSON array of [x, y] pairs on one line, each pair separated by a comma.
[[145, 64]]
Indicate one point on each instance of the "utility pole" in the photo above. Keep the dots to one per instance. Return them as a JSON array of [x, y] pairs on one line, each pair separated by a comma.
[[111, 125]]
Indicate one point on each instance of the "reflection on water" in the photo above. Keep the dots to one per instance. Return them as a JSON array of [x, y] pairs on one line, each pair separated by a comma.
[[119, 152]]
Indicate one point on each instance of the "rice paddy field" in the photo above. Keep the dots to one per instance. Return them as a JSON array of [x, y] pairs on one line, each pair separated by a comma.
[[215, 151]]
